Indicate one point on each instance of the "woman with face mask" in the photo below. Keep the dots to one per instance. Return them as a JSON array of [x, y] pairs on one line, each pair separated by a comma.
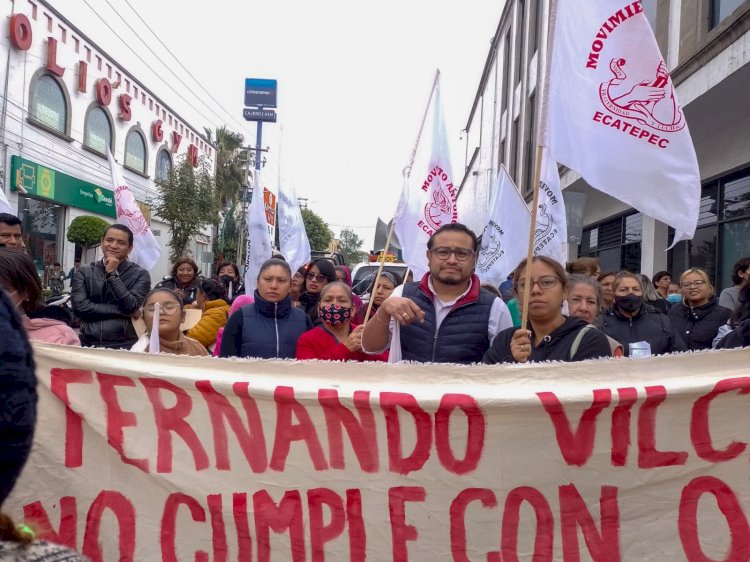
[[640, 328], [699, 316], [166, 307], [229, 275], [336, 339]]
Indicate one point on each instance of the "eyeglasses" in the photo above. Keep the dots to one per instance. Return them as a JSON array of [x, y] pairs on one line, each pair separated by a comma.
[[443, 253], [690, 284], [166, 308], [319, 277], [544, 283]]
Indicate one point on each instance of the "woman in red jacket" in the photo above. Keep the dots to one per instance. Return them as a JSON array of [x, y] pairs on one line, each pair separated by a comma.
[[337, 339]]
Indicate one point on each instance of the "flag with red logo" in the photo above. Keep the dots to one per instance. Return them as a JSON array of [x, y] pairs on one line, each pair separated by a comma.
[[428, 199], [146, 249], [612, 112]]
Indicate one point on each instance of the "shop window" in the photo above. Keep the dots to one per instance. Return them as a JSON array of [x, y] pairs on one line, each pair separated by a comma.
[[97, 130], [737, 198], [49, 104], [135, 151], [721, 9], [163, 165], [41, 227], [734, 237]]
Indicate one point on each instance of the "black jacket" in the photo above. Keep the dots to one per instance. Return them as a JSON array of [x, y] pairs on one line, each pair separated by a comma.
[[105, 303], [309, 303], [188, 292], [555, 347], [698, 326], [739, 337], [648, 325]]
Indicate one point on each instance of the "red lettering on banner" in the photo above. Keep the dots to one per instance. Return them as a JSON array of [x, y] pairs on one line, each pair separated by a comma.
[[357, 535], [250, 438], [20, 32], [648, 456], [242, 525], [124, 512], [286, 432], [172, 420], [603, 546], [167, 537], [286, 516], [157, 133], [576, 448], [545, 524], [125, 111], [458, 518], [320, 533], [52, 65], [103, 91], [116, 417], [59, 381], [176, 139], [82, 75], [731, 509], [66, 533], [700, 432], [389, 403], [620, 431], [401, 532], [474, 434], [218, 531], [362, 433]]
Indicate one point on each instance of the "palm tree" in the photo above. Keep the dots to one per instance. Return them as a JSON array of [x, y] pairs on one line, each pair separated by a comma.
[[230, 170]]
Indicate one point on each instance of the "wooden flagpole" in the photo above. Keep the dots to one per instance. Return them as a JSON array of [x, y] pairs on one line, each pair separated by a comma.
[[405, 173], [532, 235]]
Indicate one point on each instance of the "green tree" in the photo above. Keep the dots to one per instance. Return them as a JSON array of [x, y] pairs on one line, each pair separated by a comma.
[[187, 203], [229, 169], [87, 231], [351, 246], [318, 233]]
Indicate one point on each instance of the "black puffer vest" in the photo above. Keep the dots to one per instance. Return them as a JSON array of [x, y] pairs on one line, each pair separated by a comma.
[[271, 330]]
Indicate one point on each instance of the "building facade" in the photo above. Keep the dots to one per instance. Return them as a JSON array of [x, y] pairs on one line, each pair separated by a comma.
[[706, 45], [65, 104]]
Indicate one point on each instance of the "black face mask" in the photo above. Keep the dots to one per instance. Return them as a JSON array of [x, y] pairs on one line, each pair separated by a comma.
[[629, 303]]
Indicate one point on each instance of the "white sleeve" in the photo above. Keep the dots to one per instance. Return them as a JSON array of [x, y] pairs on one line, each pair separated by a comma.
[[500, 319], [397, 292]]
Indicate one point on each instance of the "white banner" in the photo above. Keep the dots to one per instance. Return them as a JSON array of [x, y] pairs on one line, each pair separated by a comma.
[[259, 247], [508, 224], [165, 458], [146, 249], [293, 242], [4, 203], [612, 112], [551, 231], [428, 199]]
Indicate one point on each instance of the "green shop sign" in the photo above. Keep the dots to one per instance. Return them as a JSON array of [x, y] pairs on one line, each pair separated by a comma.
[[46, 183]]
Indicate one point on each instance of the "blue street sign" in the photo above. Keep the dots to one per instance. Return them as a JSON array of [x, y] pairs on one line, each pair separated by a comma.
[[253, 114], [260, 92]]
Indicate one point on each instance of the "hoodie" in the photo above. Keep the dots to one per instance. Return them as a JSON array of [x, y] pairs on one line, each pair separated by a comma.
[[51, 325], [556, 346]]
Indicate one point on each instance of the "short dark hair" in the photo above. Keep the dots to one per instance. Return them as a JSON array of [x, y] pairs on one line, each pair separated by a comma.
[[56, 264], [184, 259], [740, 265], [18, 270], [233, 265], [10, 220], [212, 289], [275, 261], [122, 228], [658, 276], [454, 227]]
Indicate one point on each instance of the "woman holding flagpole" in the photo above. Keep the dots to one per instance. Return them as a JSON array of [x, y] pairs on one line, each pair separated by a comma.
[[163, 313], [548, 336]]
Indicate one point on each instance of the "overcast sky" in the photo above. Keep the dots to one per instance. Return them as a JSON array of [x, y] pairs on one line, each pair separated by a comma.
[[353, 81]]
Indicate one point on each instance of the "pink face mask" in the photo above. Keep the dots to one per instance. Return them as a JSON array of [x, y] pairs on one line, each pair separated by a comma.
[[335, 314]]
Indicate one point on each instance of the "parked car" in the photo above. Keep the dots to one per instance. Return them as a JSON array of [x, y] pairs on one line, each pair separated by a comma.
[[363, 274]]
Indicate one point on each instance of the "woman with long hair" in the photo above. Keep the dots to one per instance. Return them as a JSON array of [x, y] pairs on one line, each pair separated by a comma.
[[337, 339], [270, 326], [639, 327], [386, 284], [51, 324], [548, 336], [228, 275], [184, 279], [215, 312], [319, 274], [699, 316]]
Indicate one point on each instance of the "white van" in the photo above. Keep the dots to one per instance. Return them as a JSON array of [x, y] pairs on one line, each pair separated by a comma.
[[364, 273]]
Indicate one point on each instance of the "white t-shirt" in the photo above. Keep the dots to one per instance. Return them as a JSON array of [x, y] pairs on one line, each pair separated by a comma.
[[499, 320]]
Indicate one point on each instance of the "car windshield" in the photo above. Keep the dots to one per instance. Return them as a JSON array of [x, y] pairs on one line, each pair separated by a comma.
[[364, 275]]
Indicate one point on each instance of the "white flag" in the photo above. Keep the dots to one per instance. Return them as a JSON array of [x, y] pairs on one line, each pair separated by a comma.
[[428, 199], [612, 112], [551, 231], [258, 239], [293, 242], [508, 223], [4, 203], [154, 345], [146, 249]]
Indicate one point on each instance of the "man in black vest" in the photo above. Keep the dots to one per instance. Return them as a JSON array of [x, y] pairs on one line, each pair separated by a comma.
[[446, 317], [107, 294]]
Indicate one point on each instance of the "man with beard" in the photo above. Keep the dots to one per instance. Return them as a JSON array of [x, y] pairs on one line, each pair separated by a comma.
[[445, 318], [107, 294]]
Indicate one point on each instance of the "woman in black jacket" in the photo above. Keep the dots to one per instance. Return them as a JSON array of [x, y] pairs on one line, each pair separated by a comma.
[[699, 316], [640, 328], [549, 336], [184, 280], [320, 273]]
